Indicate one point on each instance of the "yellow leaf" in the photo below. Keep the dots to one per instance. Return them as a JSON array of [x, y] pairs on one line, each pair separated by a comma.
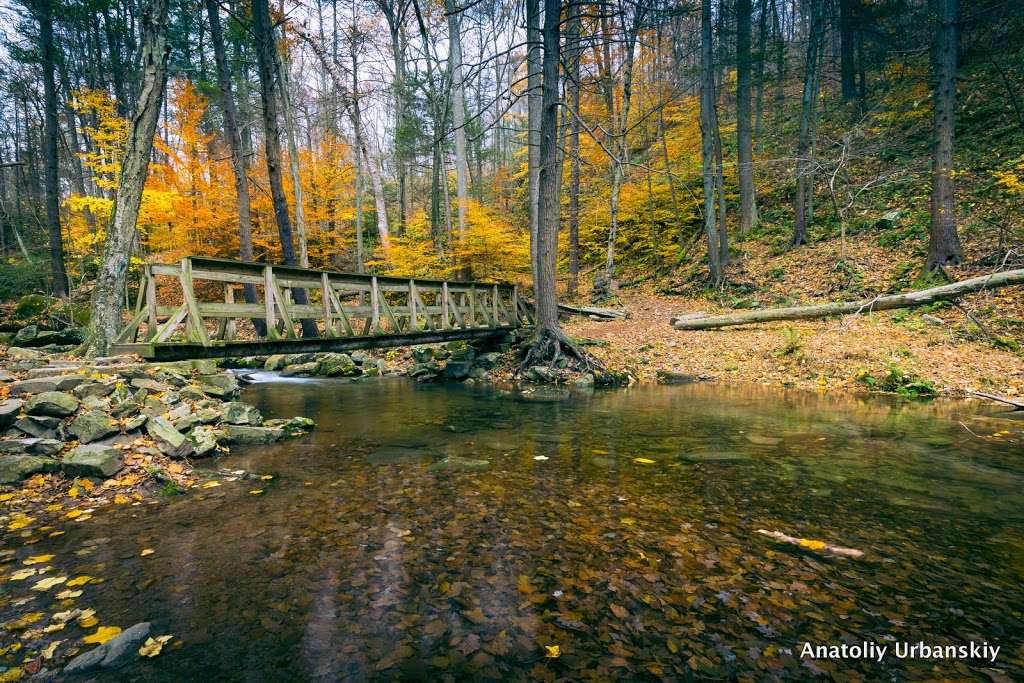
[[50, 649], [552, 651], [69, 595], [4, 497], [147, 551], [47, 584], [56, 533], [73, 514], [19, 521], [22, 574], [88, 622], [211, 484], [23, 621], [54, 507], [643, 461], [267, 477], [38, 559], [85, 484], [80, 580], [120, 499], [256, 492], [627, 521], [102, 635], [524, 585], [12, 674], [812, 545], [153, 646], [73, 492]]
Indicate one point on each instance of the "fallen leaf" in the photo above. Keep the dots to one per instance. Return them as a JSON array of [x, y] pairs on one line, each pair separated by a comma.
[[267, 477], [147, 551], [23, 621], [102, 635], [50, 649], [47, 584], [38, 559], [619, 611], [644, 461], [523, 584], [153, 646], [69, 595], [256, 492], [80, 580], [552, 651], [11, 674], [211, 484], [120, 499], [22, 574], [812, 545], [74, 514]]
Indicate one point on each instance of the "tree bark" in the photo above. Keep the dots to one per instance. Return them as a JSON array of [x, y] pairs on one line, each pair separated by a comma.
[[803, 152], [707, 119], [573, 46], [533, 118], [59, 277], [847, 41], [293, 158], [265, 59], [744, 139], [458, 114], [943, 241], [881, 303], [549, 177], [111, 280]]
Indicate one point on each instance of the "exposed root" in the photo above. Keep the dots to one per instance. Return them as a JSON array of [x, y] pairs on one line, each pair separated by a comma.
[[549, 347]]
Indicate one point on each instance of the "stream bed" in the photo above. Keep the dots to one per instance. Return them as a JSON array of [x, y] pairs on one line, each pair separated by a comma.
[[433, 532]]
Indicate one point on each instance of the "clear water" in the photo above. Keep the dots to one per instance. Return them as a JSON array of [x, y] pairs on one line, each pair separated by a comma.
[[359, 561]]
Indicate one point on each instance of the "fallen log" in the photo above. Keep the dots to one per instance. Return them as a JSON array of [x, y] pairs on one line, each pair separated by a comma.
[[1017, 405], [880, 303], [809, 544], [591, 311]]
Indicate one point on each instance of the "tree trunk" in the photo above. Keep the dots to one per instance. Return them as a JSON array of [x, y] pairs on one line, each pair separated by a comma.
[[108, 295], [533, 102], [744, 139], [59, 284], [847, 40], [803, 167], [549, 178], [882, 303], [707, 136], [573, 47], [269, 96], [458, 114], [293, 158], [943, 241]]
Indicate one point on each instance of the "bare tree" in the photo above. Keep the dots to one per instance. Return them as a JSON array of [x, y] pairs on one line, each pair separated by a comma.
[[708, 126], [744, 139], [111, 280]]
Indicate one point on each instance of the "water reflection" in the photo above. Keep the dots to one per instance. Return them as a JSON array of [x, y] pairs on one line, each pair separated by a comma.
[[361, 560]]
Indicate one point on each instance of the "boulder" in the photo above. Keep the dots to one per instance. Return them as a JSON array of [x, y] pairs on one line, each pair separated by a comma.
[[222, 385], [338, 365], [39, 426], [360, 357], [301, 369], [275, 362], [168, 439], [246, 434], [92, 426], [14, 468], [541, 373], [461, 351], [238, 413], [457, 369], [424, 372], [488, 360], [30, 305], [584, 381], [112, 654], [479, 373], [293, 426], [32, 336], [423, 354], [374, 367], [133, 423], [26, 334], [53, 403], [452, 463], [93, 460], [9, 410], [674, 378], [204, 440], [150, 385]]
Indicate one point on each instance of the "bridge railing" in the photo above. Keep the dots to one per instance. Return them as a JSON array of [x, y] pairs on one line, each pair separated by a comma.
[[341, 305]]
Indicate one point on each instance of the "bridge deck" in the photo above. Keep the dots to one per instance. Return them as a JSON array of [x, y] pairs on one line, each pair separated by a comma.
[[269, 304]]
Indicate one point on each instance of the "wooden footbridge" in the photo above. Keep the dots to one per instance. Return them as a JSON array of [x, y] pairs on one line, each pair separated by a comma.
[[234, 308]]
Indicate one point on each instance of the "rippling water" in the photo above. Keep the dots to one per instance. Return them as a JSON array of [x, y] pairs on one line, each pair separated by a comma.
[[365, 558]]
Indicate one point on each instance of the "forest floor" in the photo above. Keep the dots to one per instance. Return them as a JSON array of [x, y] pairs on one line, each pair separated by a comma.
[[903, 351]]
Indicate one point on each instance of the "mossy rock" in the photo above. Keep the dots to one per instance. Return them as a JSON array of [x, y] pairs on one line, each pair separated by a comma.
[[30, 306]]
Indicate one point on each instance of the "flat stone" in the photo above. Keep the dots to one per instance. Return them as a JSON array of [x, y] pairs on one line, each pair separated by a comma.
[[14, 468], [460, 464], [238, 413], [675, 378], [253, 435], [112, 654], [302, 369], [423, 354], [150, 385], [93, 460], [223, 385], [457, 369], [40, 427], [53, 403], [133, 423], [168, 439], [292, 426], [204, 439], [31, 446], [18, 353], [33, 385], [275, 362], [92, 426], [360, 357], [93, 389], [9, 410]]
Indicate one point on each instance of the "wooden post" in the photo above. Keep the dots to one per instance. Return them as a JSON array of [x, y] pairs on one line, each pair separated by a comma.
[[413, 323], [154, 323], [268, 302], [515, 305], [494, 306], [325, 288], [374, 305], [195, 318], [444, 306], [472, 305]]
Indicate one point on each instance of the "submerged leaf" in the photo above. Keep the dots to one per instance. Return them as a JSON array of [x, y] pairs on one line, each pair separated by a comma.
[[102, 635]]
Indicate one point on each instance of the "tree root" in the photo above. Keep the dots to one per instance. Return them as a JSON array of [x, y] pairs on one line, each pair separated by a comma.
[[549, 347]]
